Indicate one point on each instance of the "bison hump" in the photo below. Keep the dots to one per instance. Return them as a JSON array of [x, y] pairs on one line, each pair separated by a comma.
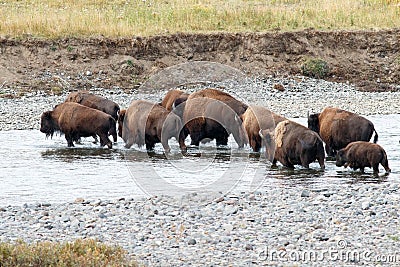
[[280, 132]]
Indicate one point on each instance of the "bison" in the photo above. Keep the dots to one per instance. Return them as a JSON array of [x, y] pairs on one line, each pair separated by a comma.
[[338, 128], [361, 154], [173, 99], [256, 118], [146, 123], [293, 144], [212, 114], [75, 121], [121, 117], [97, 102]]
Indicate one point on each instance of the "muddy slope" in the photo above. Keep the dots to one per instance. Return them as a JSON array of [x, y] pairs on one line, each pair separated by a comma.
[[368, 59]]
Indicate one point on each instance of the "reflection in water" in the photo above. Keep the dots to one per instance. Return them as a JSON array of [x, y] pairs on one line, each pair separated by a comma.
[[45, 170], [70, 154]]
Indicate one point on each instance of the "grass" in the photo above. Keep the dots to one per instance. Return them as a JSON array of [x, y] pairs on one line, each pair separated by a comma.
[[78, 253], [118, 18]]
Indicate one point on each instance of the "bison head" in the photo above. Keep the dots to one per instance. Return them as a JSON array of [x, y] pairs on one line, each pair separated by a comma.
[[47, 124], [268, 138], [171, 128], [121, 117], [313, 122], [341, 158], [239, 132]]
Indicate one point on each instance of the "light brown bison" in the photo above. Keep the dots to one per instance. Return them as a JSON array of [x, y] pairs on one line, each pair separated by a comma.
[[213, 114], [256, 118], [338, 128], [97, 102], [293, 144], [146, 123], [361, 154], [173, 99], [75, 121]]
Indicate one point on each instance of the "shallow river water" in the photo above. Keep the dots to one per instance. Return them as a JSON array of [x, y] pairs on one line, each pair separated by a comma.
[[36, 169]]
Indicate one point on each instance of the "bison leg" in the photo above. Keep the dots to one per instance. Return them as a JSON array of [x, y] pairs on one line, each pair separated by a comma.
[[115, 137], [329, 151], [222, 140], [69, 139], [150, 146], [375, 168], [274, 161], [321, 161], [181, 140], [95, 139], [195, 141], [385, 165], [105, 141]]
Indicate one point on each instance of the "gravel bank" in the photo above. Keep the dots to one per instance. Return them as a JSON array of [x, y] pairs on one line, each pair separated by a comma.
[[300, 95], [346, 224], [358, 224]]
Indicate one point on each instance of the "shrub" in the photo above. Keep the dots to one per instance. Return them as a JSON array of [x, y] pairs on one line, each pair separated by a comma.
[[315, 68], [81, 252]]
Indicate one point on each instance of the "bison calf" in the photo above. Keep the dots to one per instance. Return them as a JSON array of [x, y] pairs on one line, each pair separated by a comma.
[[361, 154], [75, 121]]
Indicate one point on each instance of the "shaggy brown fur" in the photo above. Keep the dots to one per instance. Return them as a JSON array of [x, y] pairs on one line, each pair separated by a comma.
[[256, 118], [213, 114], [121, 117], [146, 123], [361, 154], [75, 121], [338, 128], [292, 144], [97, 102], [174, 98]]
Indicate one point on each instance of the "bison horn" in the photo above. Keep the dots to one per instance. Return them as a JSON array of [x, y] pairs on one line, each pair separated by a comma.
[[260, 133]]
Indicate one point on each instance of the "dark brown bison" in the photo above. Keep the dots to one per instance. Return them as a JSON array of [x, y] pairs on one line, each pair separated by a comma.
[[293, 144], [75, 121], [173, 99], [146, 123], [97, 102], [213, 114], [361, 154], [338, 128], [121, 117], [256, 118]]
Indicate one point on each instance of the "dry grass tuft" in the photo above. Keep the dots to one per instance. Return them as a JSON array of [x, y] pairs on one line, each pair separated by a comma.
[[78, 253]]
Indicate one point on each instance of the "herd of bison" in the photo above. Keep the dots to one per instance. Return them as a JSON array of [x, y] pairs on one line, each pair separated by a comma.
[[210, 114]]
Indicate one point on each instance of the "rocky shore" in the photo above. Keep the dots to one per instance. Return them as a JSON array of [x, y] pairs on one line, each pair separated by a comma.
[[295, 98], [342, 225]]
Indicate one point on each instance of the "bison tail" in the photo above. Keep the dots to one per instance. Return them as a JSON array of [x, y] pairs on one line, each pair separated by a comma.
[[376, 136]]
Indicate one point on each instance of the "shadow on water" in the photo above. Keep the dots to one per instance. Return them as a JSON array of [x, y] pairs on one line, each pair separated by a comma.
[[354, 177], [71, 154]]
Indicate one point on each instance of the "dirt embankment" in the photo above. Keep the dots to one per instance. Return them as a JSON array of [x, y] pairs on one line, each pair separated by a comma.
[[368, 59]]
